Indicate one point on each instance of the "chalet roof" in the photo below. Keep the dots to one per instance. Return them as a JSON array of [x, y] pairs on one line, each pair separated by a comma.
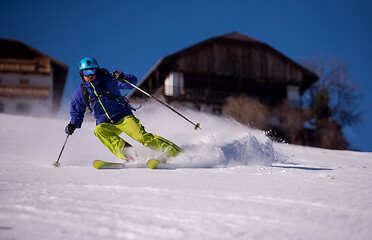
[[235, 36], [15, 49]]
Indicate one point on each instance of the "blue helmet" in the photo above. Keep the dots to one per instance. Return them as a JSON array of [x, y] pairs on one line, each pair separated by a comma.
[[88, 63]]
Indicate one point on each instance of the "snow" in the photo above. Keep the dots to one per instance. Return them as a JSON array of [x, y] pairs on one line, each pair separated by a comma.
[[232, 182]]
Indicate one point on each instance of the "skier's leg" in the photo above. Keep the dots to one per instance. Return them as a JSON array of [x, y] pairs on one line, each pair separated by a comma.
[[133, 127], [108, 134]]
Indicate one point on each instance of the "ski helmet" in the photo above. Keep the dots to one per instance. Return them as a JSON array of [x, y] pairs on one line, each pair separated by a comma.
[[88, 63]]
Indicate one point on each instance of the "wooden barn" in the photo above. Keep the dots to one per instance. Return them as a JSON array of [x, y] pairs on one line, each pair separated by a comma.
[[31, 83], [204, 75]]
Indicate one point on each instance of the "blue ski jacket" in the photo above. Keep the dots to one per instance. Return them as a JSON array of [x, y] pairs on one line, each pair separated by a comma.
[[105, 110]]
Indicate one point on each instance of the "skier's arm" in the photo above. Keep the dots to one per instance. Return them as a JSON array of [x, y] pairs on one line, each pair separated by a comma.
[[77, 108], [121, 77]]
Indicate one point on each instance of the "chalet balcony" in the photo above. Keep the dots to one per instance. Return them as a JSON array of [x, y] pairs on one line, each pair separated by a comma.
[[37, 65], [24, 90]]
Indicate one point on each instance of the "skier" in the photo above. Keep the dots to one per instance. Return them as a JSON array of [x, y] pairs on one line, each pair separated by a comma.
[[99, 92]]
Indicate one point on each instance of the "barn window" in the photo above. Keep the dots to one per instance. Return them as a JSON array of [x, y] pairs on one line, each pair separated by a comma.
[[293, 95], [174, 84]]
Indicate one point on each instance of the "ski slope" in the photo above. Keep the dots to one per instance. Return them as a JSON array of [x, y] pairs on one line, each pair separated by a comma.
[[232, 183]]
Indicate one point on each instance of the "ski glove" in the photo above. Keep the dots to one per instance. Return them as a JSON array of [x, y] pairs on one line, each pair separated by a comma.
[[119, 75], [70, 128]]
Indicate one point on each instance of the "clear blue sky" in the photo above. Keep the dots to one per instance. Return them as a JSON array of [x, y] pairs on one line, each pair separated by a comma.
[[133, 35]]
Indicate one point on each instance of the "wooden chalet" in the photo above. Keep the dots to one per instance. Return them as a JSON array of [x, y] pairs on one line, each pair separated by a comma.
[[204, 75], [30, 81]]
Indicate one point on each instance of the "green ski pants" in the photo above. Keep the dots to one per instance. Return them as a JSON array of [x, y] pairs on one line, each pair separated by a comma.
[[108, 134]]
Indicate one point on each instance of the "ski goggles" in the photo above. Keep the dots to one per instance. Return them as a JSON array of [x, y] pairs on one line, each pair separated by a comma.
[[87, 72]]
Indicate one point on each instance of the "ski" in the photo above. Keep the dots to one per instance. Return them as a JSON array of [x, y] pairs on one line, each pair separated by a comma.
[[156, 164], [152, 164], [99, 164]]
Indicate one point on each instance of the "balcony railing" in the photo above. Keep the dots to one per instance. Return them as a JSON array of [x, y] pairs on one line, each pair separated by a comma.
[[37, 65], [24, 90]]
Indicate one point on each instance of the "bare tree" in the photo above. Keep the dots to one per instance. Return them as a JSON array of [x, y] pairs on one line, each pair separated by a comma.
[[334, 82], [292, 122], [333, 105], [248, 111], [334, 102]]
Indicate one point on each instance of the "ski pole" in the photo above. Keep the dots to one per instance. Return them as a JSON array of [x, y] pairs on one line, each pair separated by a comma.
[[196, 126], [56, 164]]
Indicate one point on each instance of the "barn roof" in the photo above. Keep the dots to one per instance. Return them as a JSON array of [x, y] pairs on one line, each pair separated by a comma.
[[233, 36], [164, 60]]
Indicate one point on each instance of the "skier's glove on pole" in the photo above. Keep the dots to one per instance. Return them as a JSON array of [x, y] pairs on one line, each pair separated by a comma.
[[70, 128], [119, 75]]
